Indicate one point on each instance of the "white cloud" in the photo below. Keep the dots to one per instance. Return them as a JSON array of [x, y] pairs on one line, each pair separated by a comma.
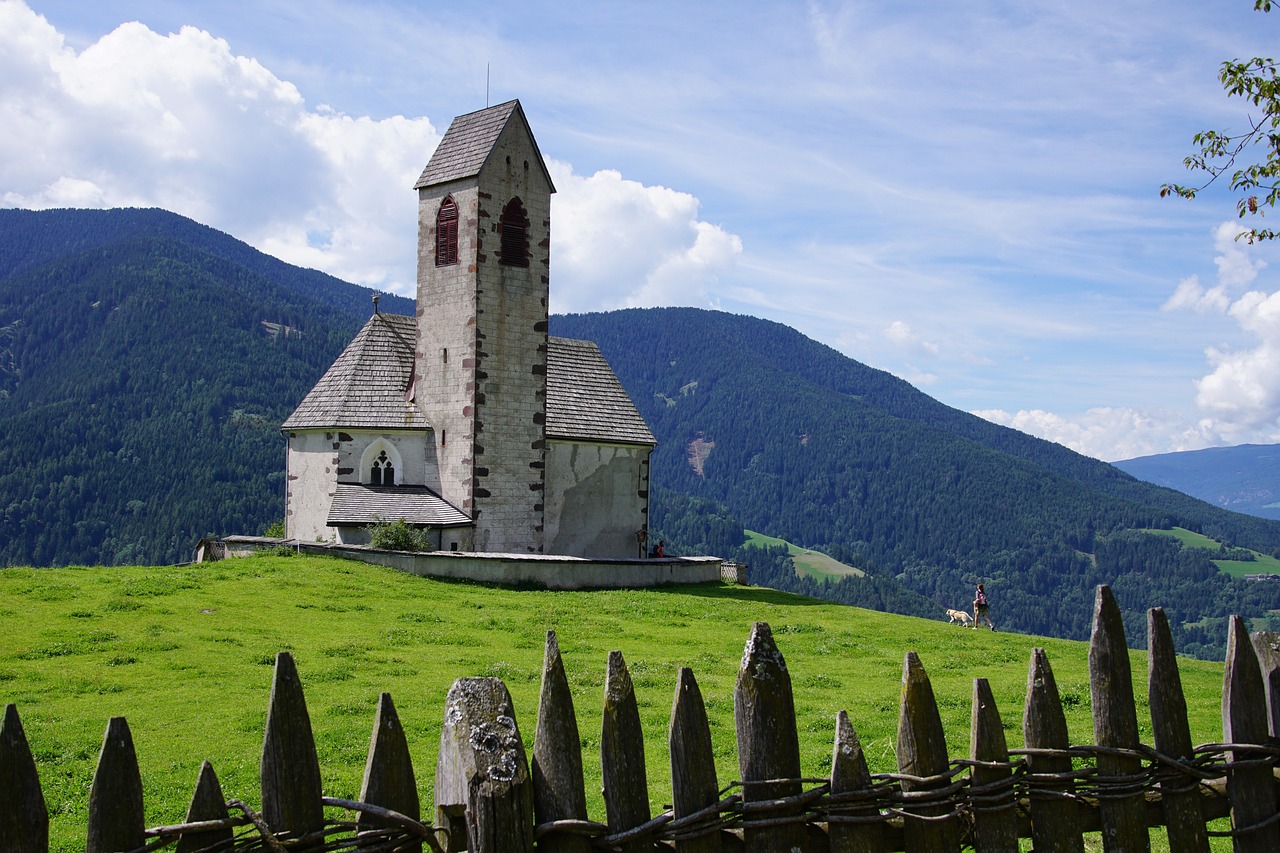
[[179, 121], [1109, 433], [618, 243]]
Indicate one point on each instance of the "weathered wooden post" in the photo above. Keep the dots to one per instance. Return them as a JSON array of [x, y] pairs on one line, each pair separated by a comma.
[[24, 818], [694, 787], [116, 821], [922, 755], [1267, 645], [290, 770], [995, 818], [1115, 725], [559, 792], [1179, 795], [1055, 827], [626, 785], [852, 829], [388, 773], [764, 713], [482, 770], [1251, 789], [207, 803]]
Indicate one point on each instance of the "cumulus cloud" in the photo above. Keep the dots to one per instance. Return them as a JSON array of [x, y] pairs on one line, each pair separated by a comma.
[[1110, 433], [180, 121], [1240, 396], [618, 243]]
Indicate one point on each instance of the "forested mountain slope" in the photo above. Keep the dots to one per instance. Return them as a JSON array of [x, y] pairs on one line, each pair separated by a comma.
[[793, 439], [142, 385], [1245, 478]]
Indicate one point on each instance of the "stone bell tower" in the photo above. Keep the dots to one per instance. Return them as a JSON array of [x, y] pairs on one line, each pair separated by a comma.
[[484, 228]]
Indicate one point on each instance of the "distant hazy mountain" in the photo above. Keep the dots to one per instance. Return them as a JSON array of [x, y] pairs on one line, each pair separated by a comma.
[[1245, 478]]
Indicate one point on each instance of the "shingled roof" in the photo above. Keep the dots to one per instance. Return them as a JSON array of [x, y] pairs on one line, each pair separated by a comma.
[[365, 387], [357, 505], [469, 141], [585, 400]]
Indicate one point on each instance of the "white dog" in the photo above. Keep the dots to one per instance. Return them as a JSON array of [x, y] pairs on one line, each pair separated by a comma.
[[960, 616]]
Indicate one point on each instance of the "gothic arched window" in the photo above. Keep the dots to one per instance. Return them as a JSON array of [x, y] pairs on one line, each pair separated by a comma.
[[381, 472], [447, 233], [514, 230]]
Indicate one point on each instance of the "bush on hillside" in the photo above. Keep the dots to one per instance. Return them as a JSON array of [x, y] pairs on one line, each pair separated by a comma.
[[399, 536]]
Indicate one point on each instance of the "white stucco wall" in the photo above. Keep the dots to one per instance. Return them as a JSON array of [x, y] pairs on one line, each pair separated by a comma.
[[597, 499], [318, 460]]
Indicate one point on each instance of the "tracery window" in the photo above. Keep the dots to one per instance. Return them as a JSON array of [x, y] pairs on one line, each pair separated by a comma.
[[514, 230], [447, 233], [382, 472]]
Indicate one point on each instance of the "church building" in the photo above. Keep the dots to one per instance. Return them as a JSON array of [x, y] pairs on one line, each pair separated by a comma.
[[468, 419]]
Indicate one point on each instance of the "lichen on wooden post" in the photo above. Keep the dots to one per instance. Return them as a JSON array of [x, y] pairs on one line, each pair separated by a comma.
[[1115, 725], [482, 771], [116, 821], [693, 765], [1055, 827], [388, 773], [922, 753], [24, 817], [1179, 795], [622, 770], [559, 792], [1244, 721], [207, 803], [768, 745], [995, 817], [290, 770], [850, 774]]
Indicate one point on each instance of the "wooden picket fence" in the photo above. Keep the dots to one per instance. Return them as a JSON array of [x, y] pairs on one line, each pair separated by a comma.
[[490, 796]]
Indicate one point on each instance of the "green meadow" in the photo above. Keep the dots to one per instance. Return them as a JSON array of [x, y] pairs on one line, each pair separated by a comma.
[[814, 564], [186, 655], [1261, 564]]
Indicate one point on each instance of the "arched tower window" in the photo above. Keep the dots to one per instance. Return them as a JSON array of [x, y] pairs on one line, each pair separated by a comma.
[[447, 233], [514, 230]]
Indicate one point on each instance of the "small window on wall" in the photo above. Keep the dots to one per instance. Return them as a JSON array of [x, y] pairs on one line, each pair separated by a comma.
[[447, 233], [382, 472], [514, 228]]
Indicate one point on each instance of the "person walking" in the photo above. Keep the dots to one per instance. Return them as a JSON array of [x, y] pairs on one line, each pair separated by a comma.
[[980, 608]]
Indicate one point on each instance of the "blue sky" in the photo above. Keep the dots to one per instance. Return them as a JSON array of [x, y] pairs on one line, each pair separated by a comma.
[[963, 194]]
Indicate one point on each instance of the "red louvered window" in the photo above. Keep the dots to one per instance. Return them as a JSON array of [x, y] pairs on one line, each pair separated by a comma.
[[447, 233], [515, 235]]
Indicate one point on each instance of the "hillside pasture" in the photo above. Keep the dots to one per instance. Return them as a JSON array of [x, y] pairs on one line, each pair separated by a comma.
[[808, 563], [186, 654], [1261, 564]]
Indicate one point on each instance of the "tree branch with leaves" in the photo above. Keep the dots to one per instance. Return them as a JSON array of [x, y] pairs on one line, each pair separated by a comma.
[[1251, 158]]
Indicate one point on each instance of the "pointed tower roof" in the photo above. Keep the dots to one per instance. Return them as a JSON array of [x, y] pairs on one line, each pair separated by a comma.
[[469, 142], [367, 384]]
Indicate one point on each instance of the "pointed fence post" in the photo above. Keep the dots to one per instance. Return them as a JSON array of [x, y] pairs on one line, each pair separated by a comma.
[[24, 817], [1115, 725], [1267, 645], [626, 786], [694, 787], [764, 713], [388, 774], [1055, 826], [922, 753], [207, 803], [850, 775], [559, 792], [1179, 794], [290, 769], [1251, 789], [116, 821], [992, 791], [482, 770]]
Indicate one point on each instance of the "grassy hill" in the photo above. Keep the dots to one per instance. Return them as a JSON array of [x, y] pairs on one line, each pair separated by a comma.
[[186, 655], [808, 563]]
